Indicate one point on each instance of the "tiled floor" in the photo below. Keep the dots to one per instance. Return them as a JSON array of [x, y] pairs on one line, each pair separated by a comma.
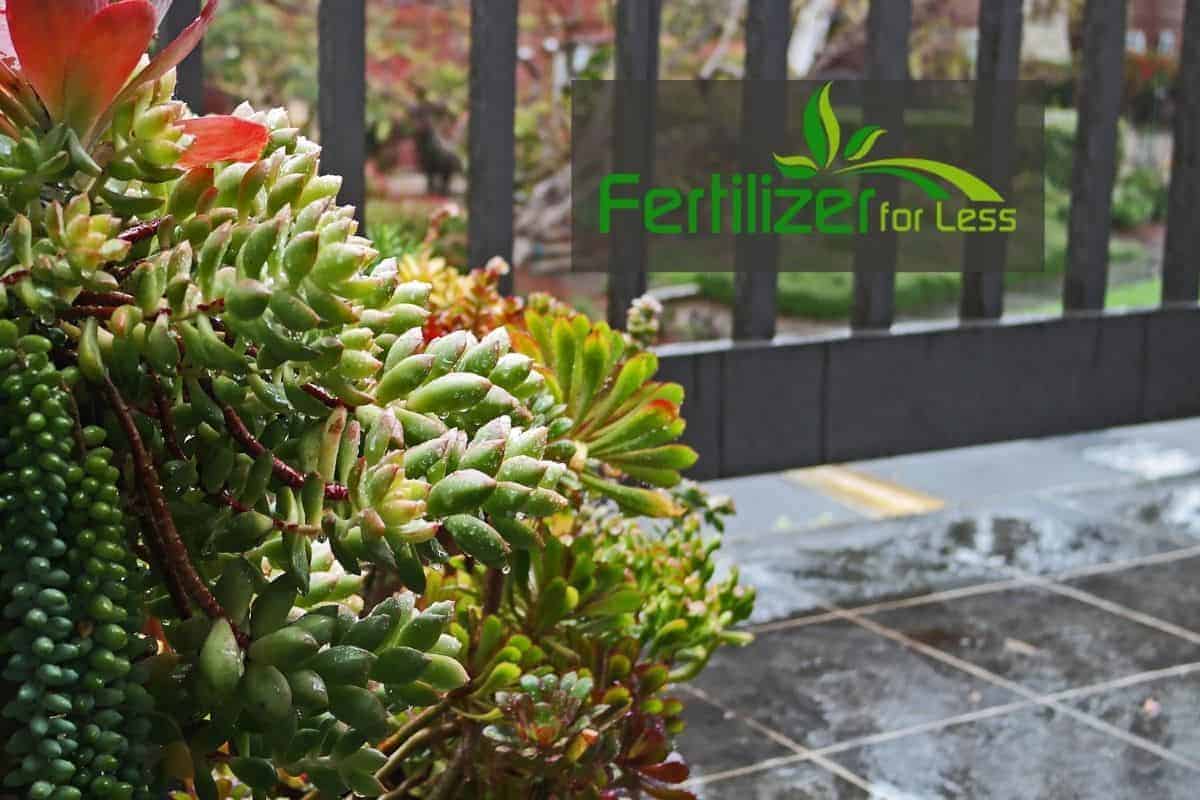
[[1037, 648]]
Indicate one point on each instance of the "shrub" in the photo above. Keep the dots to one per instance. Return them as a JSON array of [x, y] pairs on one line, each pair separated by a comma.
[[1061, 124], [275, 523], [1140, 196]]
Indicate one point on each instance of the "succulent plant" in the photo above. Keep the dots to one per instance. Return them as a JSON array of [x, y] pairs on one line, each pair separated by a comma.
[[278, 520]]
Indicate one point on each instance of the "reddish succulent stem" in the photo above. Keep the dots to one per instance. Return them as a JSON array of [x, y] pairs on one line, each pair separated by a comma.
[[227, 498], [165, 419], [99, 312], [451, 778], [140, 232], [90, 298], [325, 397], [15, 277], [285, 472], [203, 308], [158, 560], [175, 554]]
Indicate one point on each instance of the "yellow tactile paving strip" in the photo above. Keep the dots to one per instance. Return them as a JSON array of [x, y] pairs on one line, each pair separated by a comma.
[[875, 497]]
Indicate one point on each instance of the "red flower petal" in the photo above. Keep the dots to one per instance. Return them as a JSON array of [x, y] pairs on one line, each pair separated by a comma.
[[44, 36], [7, 51], [168, 57], [106, 54], [220, 138]]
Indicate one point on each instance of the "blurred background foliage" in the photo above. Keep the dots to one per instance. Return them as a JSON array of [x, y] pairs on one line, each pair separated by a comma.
[[418, 54]]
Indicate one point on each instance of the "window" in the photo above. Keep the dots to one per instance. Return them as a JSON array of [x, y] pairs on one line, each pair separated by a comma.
[[1166, 43]]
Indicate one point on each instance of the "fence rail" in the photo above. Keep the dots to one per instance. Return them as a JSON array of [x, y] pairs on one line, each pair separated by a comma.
[[761, 403]]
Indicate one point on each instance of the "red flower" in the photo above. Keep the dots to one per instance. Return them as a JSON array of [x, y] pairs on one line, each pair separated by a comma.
[[82, 59], [219, 138]]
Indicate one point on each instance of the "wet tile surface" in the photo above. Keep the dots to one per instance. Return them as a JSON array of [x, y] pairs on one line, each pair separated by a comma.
[[1026, 754], [1166, 508], [973, 474], [1170, 591], [802, 781], [830, 682], [884, 560], [1043, 641], [713, 742], [771, 504], [1166, 712]]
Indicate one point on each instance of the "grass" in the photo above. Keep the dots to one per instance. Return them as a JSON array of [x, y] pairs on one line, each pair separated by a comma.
[[1139, 294], [830, 295]]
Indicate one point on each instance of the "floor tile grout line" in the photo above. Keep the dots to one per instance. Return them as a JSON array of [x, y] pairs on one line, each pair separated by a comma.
[[924, 727], [889, 605], [848, 776], [1106, 568], [748, 769], [882, 737], [790, 623], [1018, 580], [801, 752], [1117, 609], [781, 739], [1007, 708], [997, 680], [818, 755], [1137, 679]]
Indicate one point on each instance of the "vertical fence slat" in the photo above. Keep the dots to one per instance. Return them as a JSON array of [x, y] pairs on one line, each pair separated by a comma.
[[342, 96], [997, 64], [1095, 159], [492, 142], [764, 121], [1181, 266], [888, 25], [189, 74], [633, 142]]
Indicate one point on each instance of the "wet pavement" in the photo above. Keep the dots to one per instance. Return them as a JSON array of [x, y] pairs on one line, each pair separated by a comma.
[[1037, 641]]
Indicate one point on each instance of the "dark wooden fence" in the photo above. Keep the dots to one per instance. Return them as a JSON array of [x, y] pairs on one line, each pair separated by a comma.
[[762, 402]]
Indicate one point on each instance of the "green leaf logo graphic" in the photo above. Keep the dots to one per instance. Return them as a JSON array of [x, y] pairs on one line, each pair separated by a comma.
[[862, 141], [976, 191], [797, 167], [823, 135], [821, 130]]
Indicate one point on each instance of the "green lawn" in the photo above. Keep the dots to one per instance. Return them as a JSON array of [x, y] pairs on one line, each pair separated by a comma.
[[829, 295], [1140, 294]]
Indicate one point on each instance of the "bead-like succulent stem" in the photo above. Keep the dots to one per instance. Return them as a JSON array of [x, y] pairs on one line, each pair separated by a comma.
[[175, 554]]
